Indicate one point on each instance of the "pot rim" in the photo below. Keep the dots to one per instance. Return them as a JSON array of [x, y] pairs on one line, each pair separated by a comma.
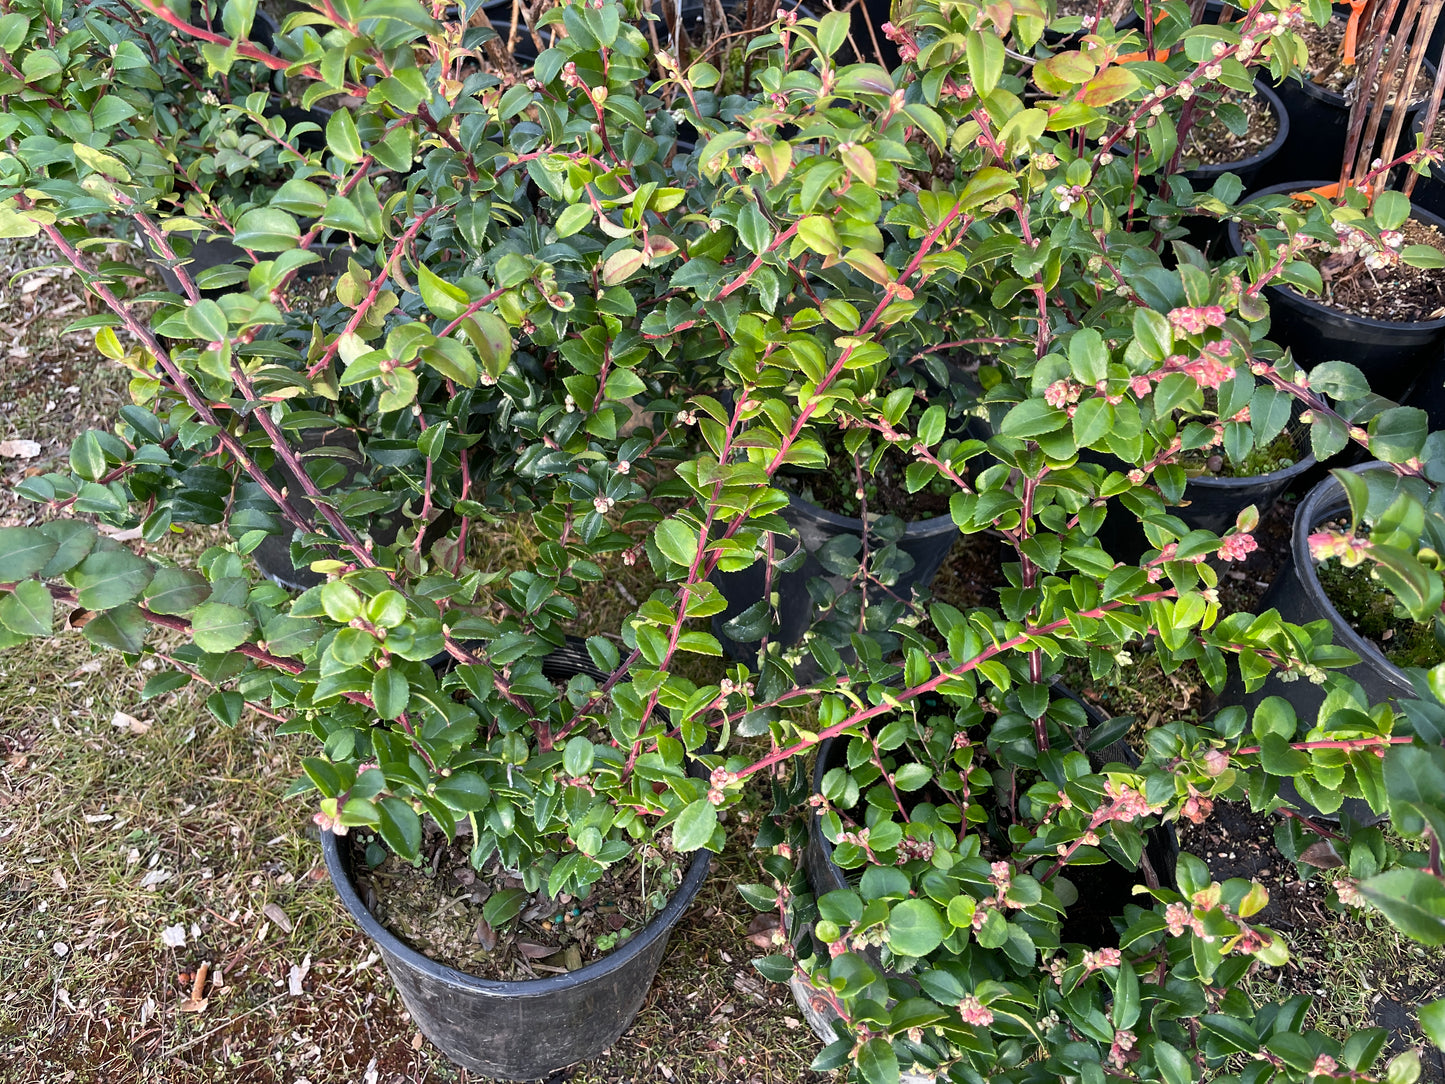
[[1262, 90], [1284, 474], [1236, 244], [660, 926], [1324, 501], [932, 527], [575, 656]]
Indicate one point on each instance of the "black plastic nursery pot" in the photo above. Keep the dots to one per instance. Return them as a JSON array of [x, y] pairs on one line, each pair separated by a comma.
[[523, 1030], [1161, 843], [926, 542], [1248, 170], [206, 253], [1319, 128], [1300, 598], [1211, 503], [1392, 354]]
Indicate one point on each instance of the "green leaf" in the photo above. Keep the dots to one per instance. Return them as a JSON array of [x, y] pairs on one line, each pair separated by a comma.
[[503, 906], [342, 139], [87, 457], [1398, 434], [987, 184], [1173, 1064], [217, 628], [1032, 418], [915, 928], [576, 217], [226, 705], [390, 692], [207, 321], [28, 610], [108, 578], [694, 826], [341, 603], [1432, 1021], [1412, 900], [622, 265], [265, 230], [400, 827], [1391, 209], [832, 32], [176, 591], [677, 541], [985, 55], [877, 1064], [122, 628], [161, 684], [444, 299], [577, 756], [465, 792], [24, 551]]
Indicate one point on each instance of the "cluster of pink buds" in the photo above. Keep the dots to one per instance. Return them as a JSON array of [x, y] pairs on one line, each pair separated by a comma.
[[1348, 889], [1377, 255], [1198, 807], [907, 47], [1325, 1066], [1061, 393], [1105, 957], [1237, 546], [1122, 1051], [1209, 369], [1194, 319], [329, 824], [972, 1010], [910, 849], [1180, 917], [1349, 549], [1126, 804], [1068, 195]]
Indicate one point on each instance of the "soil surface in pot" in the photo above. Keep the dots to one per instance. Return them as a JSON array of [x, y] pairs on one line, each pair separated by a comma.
[[1400, 293], [436, 907], [1373, 612], [1324, 67], [885, 490], [1282, 452], [1213, 142]]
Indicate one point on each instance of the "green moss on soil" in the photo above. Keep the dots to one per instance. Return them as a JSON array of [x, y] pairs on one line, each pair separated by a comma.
[[1373, 612]]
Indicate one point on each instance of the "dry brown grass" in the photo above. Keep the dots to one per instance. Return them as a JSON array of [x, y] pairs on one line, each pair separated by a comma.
[[111, 834]]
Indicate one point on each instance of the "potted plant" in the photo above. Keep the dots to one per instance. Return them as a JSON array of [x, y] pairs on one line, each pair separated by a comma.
[[470, 371], [566, 322]]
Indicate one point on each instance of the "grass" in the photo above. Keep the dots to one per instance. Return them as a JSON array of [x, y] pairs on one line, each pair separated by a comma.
[[110, 835]]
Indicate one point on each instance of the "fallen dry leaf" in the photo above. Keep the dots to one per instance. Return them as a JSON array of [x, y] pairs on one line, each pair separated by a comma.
[[1321, 855], [762, 929], [298, 976], [121, 721], [196, 1003], [275, 914], [534, 951], [19, 449]]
